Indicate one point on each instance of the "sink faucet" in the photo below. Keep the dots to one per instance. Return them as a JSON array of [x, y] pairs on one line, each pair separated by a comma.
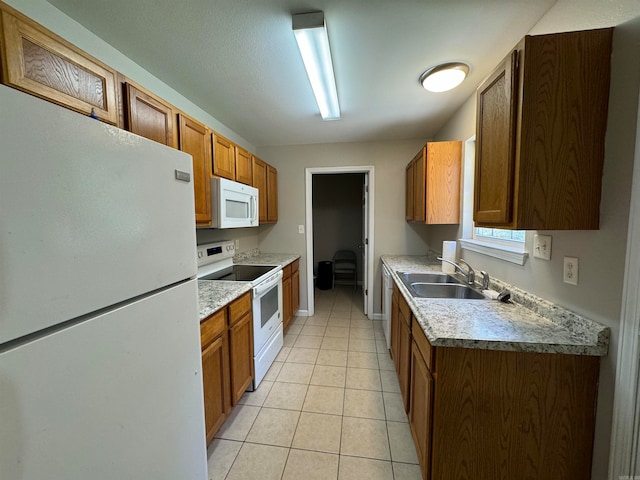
[[470, 274]]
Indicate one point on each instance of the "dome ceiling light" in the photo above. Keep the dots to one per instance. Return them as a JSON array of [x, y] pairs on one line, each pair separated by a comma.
[[444, 77]]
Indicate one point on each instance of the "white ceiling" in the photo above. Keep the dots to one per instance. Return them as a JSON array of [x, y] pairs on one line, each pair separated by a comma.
[[237, 59]]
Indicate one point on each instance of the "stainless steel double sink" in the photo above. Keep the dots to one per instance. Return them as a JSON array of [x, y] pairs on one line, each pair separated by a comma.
[[438, 285]]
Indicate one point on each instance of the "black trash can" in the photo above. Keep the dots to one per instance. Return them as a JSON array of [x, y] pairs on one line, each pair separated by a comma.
[[325, 275]]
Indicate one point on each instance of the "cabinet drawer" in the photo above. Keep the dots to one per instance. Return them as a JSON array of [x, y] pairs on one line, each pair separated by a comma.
[[286, 272], [239, 307], [212, 327], [423, 344]]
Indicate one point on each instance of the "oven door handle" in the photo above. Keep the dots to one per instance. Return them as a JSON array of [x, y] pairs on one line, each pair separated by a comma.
[[267, 284]]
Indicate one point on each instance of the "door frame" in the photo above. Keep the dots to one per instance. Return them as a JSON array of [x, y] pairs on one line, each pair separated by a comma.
[[624, 461], [369, 171]]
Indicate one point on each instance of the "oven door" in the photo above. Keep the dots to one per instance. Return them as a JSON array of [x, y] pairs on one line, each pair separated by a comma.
[[267, 310]]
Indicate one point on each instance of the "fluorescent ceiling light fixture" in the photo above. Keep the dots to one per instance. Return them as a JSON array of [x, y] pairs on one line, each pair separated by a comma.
[[444, 77], [313, 42]]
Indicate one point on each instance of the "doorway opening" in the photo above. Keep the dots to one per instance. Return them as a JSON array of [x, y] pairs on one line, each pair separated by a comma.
[[339, 216]]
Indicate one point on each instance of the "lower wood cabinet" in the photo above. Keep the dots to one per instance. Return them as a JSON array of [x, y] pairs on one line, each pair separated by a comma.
[[487, 414], [215, 379], [241, 354], [295, 287], [404, 358], [227, 360], [421, 385], [401, 343], [290, 292]]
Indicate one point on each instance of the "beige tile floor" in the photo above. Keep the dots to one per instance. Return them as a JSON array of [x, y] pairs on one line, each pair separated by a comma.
[[329, 407]]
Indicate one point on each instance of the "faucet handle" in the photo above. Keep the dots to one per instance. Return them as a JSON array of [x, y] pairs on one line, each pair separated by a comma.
[[485, 280]]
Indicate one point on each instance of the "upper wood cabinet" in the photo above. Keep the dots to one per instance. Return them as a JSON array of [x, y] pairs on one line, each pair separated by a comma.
[[265, 179], [433, 184], [259, 175], [195, 139], [409, 187], [272, 194], [39, 62], [244, 166], [541, 123], [224, 157], [149, 116]]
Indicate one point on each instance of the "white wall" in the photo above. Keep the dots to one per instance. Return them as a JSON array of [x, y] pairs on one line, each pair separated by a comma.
[[601, 252], [392, 234]]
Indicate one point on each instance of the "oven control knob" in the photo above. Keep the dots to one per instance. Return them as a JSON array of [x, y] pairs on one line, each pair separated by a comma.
[[200, 254]]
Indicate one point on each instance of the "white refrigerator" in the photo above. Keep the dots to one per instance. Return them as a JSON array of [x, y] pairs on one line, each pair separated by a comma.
[[100, 370]]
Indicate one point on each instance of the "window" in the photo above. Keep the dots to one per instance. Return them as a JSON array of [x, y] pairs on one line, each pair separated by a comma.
[[498, 235]]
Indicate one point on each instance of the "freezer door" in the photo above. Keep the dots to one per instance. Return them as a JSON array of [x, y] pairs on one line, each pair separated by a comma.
[[90, 215], [118, 396]]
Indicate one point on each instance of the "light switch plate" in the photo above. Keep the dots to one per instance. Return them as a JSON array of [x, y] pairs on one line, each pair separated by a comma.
[[571, 270], [300, 228], [542, 247]]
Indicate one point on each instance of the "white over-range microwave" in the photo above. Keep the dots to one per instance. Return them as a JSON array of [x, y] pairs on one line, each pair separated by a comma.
[[233, 204]]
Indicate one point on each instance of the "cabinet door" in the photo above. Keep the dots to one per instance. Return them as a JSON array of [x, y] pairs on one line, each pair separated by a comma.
[[395, 324], [408, 207], [39, 62], [420, 412], [215, 380], [241, 356], [404, 360], [224, 157], [272, 194], [419, 186], [195, 139], [286, 302], [259, 181], [243, 166], [148, 117], [443, 170], [295, 291], [495, 145]]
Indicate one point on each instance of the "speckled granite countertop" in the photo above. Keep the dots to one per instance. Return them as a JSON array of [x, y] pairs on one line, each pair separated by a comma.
[[215, 294], [255, 257], [529, 324]]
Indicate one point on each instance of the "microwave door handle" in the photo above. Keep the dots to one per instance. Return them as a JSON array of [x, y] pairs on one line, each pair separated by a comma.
[[254, 207]]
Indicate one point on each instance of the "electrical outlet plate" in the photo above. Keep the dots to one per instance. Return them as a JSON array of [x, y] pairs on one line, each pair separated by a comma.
[[300, 228], [571, 270], [542, 247], [237, 244]]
